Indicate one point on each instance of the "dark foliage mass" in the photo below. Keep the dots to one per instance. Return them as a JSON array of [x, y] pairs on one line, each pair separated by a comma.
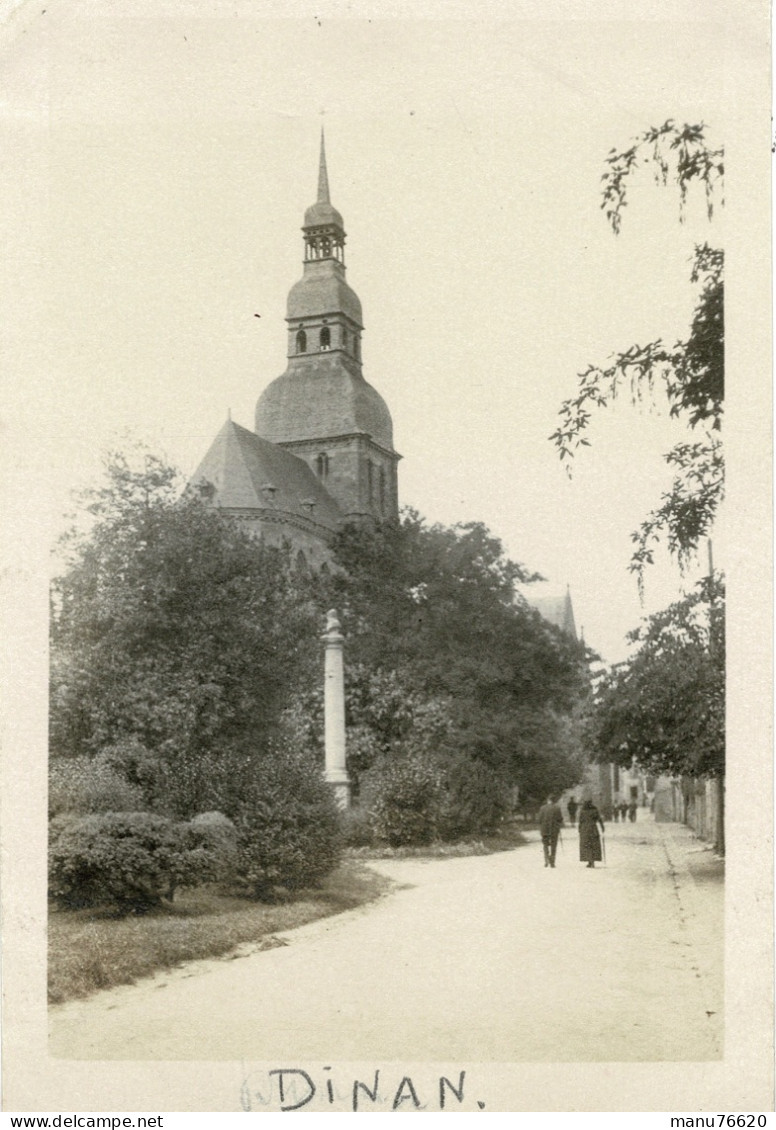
[[127, 860], [666, 705], [186, 678], [451, 675]]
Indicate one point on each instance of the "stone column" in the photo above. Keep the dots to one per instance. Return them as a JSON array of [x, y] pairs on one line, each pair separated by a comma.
[[334, 711]]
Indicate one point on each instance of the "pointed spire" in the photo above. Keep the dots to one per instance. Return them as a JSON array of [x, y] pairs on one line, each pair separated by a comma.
[[323, 176]]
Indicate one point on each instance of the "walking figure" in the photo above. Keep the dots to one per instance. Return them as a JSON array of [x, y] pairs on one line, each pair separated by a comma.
[[632, 808], [550, 824], [572, 807], [589, 839]]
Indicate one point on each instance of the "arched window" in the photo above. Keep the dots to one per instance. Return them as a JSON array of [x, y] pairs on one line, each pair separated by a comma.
[[382, 490], [322, 465], [356, 347], [344, 338], [370, 478], [325, 337], [301, 342], [301, 562]]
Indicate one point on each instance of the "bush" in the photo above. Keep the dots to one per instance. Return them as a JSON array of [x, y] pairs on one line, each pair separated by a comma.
[[417, 798], [474, 799], [288, 827], [357, 827], [406, 799], [218, 835], [82, 785], [127, 860]]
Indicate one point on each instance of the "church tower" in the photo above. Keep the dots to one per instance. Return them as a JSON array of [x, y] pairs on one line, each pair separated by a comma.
[[321, 409]]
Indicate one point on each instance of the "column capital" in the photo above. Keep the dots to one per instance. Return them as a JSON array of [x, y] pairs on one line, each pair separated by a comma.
[[333, 634]]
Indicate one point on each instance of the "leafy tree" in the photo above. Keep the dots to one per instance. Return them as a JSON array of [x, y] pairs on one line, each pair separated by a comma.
[[174, 634], [689, 372], [665, 706], [445, 656]]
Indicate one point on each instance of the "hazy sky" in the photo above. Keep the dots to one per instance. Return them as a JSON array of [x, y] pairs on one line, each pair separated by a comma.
[[164, 163]]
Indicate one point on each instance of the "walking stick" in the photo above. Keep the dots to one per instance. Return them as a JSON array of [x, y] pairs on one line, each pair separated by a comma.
[[603, 846]]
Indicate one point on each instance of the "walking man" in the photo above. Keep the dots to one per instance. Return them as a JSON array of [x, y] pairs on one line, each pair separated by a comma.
[[550, 824], [572, 807]]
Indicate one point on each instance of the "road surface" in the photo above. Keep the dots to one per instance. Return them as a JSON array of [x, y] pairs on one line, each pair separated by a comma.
[[480, 959]]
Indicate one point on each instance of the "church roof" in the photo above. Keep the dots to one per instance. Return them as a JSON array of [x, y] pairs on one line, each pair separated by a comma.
[[321, 398], [321, 290], [250, 473], [558, 610]]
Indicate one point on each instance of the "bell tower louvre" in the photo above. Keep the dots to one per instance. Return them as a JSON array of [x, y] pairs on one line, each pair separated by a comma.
[[322, 451]]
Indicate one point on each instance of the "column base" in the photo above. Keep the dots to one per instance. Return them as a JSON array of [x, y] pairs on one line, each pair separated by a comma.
[[340, 783]]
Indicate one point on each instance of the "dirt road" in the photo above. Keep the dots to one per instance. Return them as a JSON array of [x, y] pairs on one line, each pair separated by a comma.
[[488, 959]]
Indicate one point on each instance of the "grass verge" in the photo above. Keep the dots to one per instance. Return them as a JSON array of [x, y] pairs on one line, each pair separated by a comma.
[[88, 951]]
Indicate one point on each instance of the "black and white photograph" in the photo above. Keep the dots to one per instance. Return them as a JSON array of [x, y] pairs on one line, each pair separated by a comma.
[[387, 561]]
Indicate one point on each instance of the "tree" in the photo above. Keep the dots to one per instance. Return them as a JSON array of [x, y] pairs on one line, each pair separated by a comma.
[[445, 655], [174, 635], [665, 706], [690, 372]]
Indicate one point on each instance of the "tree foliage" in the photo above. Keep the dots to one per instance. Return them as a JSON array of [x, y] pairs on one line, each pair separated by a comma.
[[665, 706], [129, 860], [445, 656], [173, 634], [690, 372], [186, 673]]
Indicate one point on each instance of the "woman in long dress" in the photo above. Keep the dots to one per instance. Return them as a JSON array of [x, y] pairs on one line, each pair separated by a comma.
[[589, 839]]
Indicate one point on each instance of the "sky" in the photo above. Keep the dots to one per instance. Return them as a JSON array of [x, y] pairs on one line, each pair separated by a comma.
[[164, 160]]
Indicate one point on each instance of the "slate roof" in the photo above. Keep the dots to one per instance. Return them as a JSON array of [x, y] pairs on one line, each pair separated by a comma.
[[244, 468], [319, 397]]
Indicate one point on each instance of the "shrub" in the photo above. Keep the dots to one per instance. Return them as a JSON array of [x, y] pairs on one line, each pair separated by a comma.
[[82, 785], [128, 860], [406, 798], [417, 797], [288, 827], [474, 799], [357, 827], [218, 835]]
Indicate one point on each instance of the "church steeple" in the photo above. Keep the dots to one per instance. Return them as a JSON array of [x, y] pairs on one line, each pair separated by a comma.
[[321, 407], [323, 176]]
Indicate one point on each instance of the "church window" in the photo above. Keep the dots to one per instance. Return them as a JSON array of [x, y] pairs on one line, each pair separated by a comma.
[[356, 347], [301, 562], [370, 477], [325, 338], [344, 338], [301, 342], [322, 465], [382, 490]]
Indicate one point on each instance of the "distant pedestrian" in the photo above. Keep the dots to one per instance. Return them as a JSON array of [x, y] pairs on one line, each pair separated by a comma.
[[623, 811], [589, 839], [572, 807], [550, 824], [632, 809], [616, 812]]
